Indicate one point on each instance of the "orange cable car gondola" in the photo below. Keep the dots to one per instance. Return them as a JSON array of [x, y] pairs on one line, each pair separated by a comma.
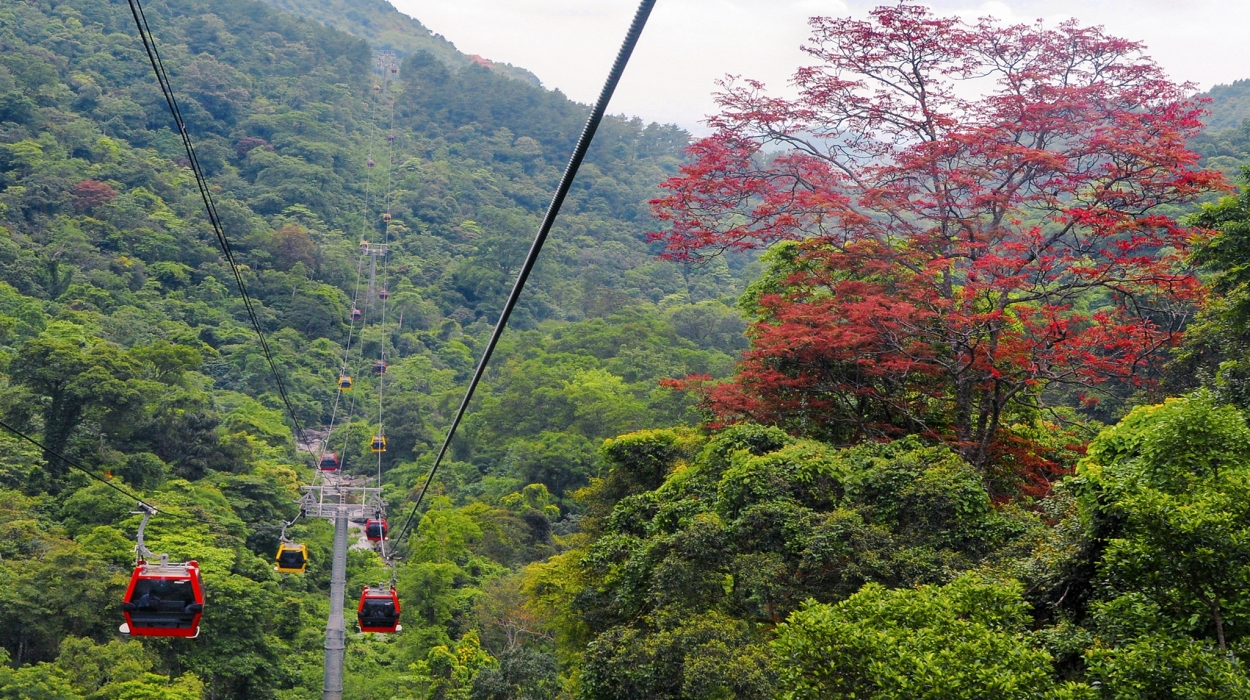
[[378, 444], [329, 462], [376, 529], [379, 610], [164, 599]]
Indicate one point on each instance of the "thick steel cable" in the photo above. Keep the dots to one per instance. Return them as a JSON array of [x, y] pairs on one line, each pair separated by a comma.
[[566, 183], [210, 206]]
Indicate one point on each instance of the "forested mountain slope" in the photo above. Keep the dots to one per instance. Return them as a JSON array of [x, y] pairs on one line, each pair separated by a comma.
[[1230, 105], [599, 533], [387, 29]]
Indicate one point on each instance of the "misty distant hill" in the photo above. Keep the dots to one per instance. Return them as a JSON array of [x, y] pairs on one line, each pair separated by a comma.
[[388, 29]]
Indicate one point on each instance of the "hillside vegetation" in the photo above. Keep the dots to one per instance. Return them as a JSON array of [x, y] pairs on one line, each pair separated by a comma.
[[604, 528]]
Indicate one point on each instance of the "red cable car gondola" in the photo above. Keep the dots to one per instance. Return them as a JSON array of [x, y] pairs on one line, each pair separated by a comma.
[[379, 610], [329, 462], [357, 314], [164, 599], [376, 530], [379, 367], [384, 295]]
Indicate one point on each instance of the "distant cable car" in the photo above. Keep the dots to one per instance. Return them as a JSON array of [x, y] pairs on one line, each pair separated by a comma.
[[370, 163], [390, 138], [345, 382], [378, 444], [357, 314], [386, 217], [379, 610], [329, 462], [377, 88], [376, 530], [379, 367], [164, 599], [364, 246], [292, 558], [383, 294], [394, 68]]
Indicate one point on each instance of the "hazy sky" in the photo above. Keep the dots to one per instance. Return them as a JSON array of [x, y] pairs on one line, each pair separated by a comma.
[[689, 44]]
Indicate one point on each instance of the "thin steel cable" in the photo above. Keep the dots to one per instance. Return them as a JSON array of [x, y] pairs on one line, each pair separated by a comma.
[[210, 206], [566, 182], [75, 465]]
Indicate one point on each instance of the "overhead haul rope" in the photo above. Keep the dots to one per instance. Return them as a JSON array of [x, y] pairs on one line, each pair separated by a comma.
[[210, 206], [346, 369], [386, 241], [143, 503], [566, 182]]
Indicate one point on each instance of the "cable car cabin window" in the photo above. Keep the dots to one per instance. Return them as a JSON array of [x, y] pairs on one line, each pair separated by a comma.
[[162, 604], [378, 612]]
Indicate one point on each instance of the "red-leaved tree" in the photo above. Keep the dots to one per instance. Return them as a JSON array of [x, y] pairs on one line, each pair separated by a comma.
[[978, 212]]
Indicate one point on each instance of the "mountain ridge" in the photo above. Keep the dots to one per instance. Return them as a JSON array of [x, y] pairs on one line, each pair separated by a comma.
[[387, 29]]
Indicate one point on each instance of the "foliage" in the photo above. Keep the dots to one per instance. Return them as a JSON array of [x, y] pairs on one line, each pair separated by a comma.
[[963, 640], [590, 535], [1174, 481], [946, 259], [703, 546]]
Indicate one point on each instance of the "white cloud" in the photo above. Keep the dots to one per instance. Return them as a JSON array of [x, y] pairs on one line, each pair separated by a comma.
[[689, 44]]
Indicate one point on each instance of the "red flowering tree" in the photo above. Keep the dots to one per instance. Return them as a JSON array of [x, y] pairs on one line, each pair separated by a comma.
[[978, 212], [90, 194]]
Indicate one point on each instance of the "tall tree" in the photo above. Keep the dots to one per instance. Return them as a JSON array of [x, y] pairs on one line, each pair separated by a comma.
[[956, 254]]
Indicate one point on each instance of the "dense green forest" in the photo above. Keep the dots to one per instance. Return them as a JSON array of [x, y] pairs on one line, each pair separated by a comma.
[[594, 534]]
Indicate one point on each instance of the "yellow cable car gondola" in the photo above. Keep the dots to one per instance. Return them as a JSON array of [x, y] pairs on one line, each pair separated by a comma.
[[345, 382], [378, 444], [292, 558]]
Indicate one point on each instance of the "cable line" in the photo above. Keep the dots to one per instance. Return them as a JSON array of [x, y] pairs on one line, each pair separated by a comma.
[[162, 79], [566, 182], [75, 465]]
